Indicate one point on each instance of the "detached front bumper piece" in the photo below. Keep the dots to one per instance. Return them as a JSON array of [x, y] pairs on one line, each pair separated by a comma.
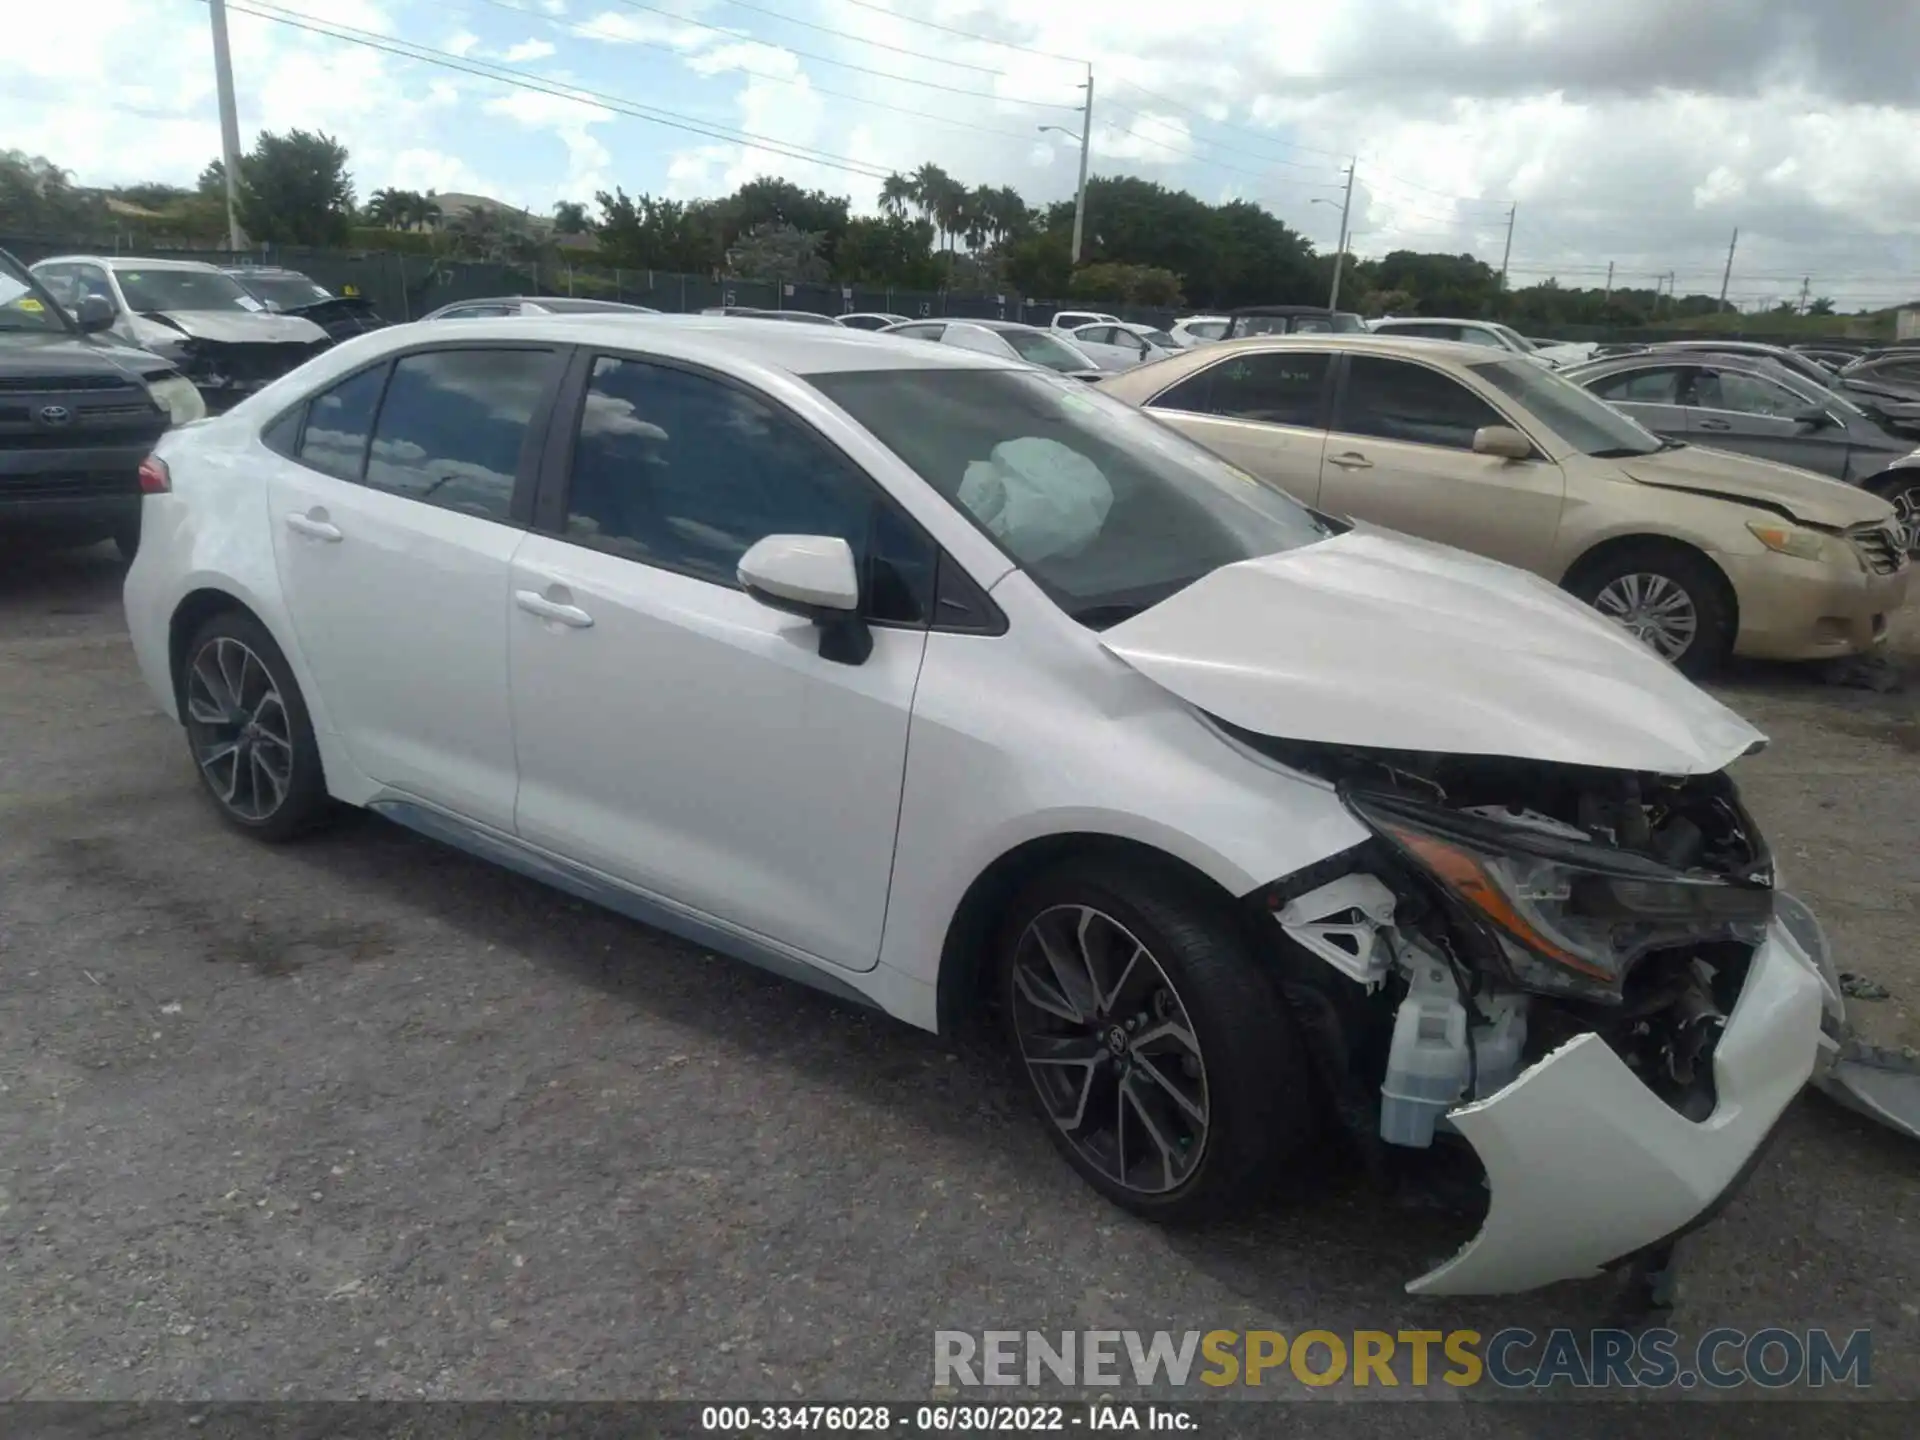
[[1587, 1165]]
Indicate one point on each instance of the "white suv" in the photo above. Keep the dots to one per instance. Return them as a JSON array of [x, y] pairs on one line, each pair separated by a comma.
[[947, 684]]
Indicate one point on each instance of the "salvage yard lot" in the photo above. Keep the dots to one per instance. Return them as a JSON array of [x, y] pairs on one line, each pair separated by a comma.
[[366, 1117]]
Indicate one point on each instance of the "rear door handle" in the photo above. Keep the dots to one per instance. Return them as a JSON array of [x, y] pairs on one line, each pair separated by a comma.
[[1351, 460], [534, 603], [313, 528], [1715, 425]]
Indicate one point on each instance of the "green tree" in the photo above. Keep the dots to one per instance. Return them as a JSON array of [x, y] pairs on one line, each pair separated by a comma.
[[1821, 306], [570, 218], [644, 233], [889, 250], [295, 189], [775, 251], [388, 208], [39, 197]]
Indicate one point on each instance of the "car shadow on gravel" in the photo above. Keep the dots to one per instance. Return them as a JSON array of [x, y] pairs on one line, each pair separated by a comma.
[[70, 582]]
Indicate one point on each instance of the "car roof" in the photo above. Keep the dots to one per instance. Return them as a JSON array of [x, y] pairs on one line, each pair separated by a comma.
[[262, 270], [733, 340], [130, 262], [1285, 310], [1437, 320], [993, 324], [1369, 342]]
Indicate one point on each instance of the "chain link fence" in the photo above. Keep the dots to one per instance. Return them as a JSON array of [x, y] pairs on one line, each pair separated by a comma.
[[405, 287]]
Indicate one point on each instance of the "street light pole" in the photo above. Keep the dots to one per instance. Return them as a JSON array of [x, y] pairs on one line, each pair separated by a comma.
[[229, 122], [1340, 255], [1080, 194]]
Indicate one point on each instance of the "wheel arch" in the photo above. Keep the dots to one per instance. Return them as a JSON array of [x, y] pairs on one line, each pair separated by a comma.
[[1599, 554], [966, 971]]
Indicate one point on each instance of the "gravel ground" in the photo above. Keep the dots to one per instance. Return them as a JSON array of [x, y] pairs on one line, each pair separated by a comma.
[[366, 1118]]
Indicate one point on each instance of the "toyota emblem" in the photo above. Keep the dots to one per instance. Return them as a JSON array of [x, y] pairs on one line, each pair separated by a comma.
[[55, 415]]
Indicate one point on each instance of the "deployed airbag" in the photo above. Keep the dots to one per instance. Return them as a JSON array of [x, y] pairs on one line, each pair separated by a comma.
[[1038, 497]]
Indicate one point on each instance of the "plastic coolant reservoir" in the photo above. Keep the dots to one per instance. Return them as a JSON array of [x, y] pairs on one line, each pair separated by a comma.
[[1427, 1064], [1497, 1044]]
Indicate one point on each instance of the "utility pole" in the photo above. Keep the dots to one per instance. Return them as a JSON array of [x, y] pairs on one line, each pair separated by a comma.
[[229, 122], [1608, 294], [1726, 276], [1806, 285], [1340, 254], [1080, 195], [1507, 253]]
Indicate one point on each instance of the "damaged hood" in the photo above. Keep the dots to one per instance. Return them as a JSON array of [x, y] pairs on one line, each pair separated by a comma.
[[230, 327], [1807, 497], [1376, 639]]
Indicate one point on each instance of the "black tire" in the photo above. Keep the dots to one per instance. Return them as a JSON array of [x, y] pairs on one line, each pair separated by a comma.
[[1693, 574], [1902, 490], [1261, 1103], [300, 802]]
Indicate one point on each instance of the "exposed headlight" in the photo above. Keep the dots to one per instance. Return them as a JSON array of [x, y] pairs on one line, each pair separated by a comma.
[[1571, 917], [177, 396], [1789, 539]]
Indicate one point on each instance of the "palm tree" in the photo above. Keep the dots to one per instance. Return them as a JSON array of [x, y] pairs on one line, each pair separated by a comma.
[[931, 194], [570, 218], [423, 212], [896, 194], [388, 208]]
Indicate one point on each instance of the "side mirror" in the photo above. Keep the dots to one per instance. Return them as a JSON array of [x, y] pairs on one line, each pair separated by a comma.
[[812, 576], [1503, 441], [94, 315], [1814, 417]]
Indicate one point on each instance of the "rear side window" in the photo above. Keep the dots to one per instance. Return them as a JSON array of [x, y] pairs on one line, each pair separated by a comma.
[[453, 426], [1641, 387], [1397, 400], [339, 421], [680, 471], [1273, 389]]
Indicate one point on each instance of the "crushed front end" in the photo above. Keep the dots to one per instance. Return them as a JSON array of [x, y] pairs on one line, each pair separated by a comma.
[[225, 372], [1576, 971]]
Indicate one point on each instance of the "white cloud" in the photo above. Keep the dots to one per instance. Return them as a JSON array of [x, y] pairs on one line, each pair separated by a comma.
[[462, 43], [527, 50]]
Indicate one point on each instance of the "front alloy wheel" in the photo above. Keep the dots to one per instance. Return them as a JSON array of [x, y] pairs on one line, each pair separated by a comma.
[[240, 731], [1110, 1049], [1654, 609]]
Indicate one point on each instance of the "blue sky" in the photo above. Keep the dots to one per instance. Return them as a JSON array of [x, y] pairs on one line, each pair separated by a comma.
[[1636, 134]]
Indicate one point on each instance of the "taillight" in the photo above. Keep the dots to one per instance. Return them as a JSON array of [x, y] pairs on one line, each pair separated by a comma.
[[154, 478]]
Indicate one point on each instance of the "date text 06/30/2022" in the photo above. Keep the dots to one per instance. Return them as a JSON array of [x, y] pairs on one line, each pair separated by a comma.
[[959, 1418]]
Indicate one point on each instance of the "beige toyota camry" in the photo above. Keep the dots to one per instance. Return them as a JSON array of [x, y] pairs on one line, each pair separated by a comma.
[[1698, 552]]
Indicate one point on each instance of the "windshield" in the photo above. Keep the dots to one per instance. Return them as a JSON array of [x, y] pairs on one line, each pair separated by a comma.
[[183, 290], [23, 304], [1515, 339], [1589, 425], [287, 292], [1106, 509], [1160, 338], [1039, 348]]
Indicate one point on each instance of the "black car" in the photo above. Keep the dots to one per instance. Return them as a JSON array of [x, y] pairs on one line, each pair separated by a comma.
[[1292, 320], [78, 413], [288, 292]]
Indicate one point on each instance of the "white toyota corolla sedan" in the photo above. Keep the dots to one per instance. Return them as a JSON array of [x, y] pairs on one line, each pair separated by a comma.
[[944, 684]]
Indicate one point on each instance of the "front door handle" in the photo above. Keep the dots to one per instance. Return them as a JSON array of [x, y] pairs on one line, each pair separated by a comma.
[[1714, 425], [1350, 460], [534, 603], [315, 527]]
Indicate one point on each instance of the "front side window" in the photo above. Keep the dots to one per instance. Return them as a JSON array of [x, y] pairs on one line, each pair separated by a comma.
[[25, 305], [158, 290], [339, 422], [1745, 394], [453, 425], [1108, 510], [1397, 400], [1641, 387], [678, 470], [1590, 426]]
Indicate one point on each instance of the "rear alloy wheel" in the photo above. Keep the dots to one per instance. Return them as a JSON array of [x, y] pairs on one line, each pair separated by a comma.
[[1161, 1058], [248, 729], [1668, 599]]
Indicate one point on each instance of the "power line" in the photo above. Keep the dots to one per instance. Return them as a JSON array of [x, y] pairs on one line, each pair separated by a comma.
[[811, 25], [589, 34], [847, 64], [1230, 125], [962, 34], [1218, 144], [409, 50]]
